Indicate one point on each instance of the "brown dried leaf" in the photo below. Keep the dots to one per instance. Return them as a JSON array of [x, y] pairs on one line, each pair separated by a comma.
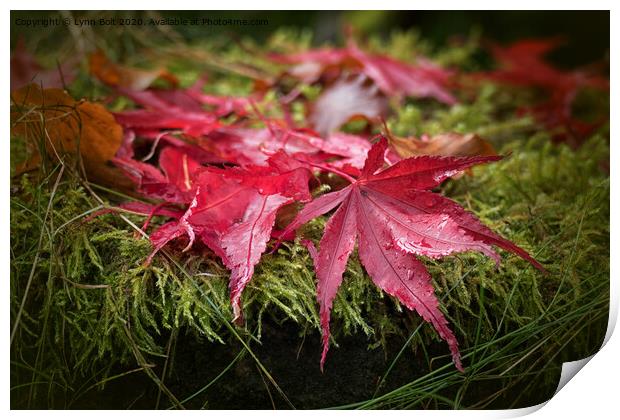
[[67, 126], [445, 144]]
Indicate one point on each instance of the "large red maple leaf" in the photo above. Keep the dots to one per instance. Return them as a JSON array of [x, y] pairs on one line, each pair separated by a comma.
[[393, 217]]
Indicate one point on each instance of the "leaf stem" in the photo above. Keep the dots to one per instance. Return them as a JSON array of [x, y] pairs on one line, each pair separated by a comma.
[[330, 169]]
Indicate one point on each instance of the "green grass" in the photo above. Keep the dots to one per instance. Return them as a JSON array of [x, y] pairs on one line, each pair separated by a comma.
[[87, 314]]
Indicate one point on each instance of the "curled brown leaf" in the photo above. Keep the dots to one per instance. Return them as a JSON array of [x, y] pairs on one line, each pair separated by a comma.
[[65, 126], [444, 144]]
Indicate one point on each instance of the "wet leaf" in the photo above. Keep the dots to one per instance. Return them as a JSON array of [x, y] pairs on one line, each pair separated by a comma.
[[254, 146], [392, 216], [231, 211]]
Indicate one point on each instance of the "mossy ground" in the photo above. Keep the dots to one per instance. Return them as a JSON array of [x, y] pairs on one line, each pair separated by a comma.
[[94, 317]]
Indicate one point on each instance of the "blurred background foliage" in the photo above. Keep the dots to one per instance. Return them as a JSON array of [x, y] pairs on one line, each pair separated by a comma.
[[586, 32]]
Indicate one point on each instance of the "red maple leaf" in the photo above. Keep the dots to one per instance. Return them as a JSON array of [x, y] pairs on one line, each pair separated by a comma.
[[254, 146], [189, 110], [171, 112], [423, 79], [523, 64], [394, 78], [393, 217], [174, 185], [191, 123], [191, 100], [232, 211]]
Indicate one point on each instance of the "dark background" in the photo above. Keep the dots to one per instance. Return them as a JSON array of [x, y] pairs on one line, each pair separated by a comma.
[[586, 33]]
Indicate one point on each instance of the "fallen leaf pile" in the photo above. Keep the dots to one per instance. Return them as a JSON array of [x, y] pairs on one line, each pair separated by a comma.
[[221, 171]]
